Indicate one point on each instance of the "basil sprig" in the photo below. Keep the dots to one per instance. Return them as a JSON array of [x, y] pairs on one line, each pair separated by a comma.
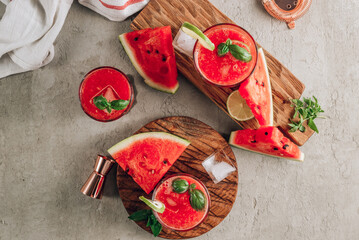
[[197, 198], [180, 185], [102, 103], [147, 215], [238, 52]]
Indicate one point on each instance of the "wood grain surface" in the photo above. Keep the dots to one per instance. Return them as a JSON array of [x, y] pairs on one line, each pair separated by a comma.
[[203, 14], [204, 142]]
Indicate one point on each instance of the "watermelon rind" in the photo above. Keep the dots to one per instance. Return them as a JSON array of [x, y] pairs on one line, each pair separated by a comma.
[[137, 66], [159, 135], [261, 55], [231, 142]]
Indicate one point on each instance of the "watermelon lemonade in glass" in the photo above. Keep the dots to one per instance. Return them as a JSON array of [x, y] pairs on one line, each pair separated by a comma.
[[106, 94], [186, 201], [233, 59]]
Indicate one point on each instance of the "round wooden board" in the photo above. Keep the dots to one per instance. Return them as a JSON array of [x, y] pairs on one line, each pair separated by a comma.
[[204, 141]]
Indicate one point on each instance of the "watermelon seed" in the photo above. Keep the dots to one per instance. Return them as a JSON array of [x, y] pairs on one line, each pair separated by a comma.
[[257, 81], [285, 146], [127, 169], [148, 51], [136, 38], [263, 84], [275, 149], [153, 171], [157, 51], [266, 133], [165, 161], [254, 141]]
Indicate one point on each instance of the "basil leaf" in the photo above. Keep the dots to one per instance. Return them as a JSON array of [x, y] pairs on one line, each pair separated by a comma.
[[180, 185], [197, 199], [119, 104], [140, 215], [156, 227], [101, 102], [240, 53], [228, 42], [312, 125], [222, 49]]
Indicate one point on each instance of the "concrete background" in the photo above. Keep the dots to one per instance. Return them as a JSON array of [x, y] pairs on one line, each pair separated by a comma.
[[48, 145]]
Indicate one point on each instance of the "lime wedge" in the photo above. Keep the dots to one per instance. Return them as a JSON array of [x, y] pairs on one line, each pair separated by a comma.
[[195, 33], [154, 205]]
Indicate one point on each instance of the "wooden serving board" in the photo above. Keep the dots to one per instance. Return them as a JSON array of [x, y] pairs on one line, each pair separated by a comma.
[[204, 141], [203, 14]]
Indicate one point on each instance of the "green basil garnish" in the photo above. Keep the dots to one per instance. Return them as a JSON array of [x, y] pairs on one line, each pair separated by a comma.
[[179, 185], [140, 215], [240, 53], [222, 49], [197, 198], [147, 215], [102, 103]]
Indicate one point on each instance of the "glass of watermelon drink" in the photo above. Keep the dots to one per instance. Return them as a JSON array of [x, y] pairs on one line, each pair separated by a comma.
[[110, 83], [179, 215], [225, 71]]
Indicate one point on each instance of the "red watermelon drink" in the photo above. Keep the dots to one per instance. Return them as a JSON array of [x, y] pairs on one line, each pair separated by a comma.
[[181, 212], [106, 94], [225, 70]]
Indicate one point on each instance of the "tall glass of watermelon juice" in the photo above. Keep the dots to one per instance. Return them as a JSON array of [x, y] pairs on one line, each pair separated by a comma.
[[111, 85], [179, 215], [225, 71]]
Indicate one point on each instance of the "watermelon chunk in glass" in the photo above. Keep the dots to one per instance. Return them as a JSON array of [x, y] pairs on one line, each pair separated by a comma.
[[268, 141], [151, 53], [146, 157]]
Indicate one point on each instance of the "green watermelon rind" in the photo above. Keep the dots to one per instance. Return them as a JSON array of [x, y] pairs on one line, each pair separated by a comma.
[[137, 66], [141, 136], [231, 142]]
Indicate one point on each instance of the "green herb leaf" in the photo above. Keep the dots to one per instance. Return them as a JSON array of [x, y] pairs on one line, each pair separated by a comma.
[[197, 199], [119, 104], [156, 227], [240, 53], [228, 42], [180, 185], [306, 110], [101, 102], [140, 215], [222, 49]]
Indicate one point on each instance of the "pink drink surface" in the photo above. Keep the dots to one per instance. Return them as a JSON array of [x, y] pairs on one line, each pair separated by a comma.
[[110, 83], [226, 70], [179, 214]]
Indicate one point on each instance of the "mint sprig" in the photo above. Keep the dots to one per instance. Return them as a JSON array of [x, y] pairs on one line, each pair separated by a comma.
[[102, 103], [307, 110], [147, 215], [238, 52]]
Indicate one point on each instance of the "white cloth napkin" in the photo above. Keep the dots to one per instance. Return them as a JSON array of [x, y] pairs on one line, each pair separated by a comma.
[[115, 10], [28, 30]]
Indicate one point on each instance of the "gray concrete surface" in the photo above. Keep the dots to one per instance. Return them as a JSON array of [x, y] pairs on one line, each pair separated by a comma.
[[48, 145]]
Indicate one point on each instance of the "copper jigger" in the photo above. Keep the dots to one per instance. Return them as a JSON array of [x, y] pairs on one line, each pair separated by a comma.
[[93, 185]]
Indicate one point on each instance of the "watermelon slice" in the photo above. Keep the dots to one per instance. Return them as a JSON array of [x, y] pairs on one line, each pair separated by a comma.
[[152, 54], [268, 141], [257, 92], [148, 156]]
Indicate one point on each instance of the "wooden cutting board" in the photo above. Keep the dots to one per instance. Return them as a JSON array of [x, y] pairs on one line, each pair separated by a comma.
[[203, 14], [204, 142]]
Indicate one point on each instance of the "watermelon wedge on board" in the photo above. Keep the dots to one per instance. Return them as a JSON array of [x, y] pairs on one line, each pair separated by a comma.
[[152, 54], [266, 140], [146, 157], [257, 92]]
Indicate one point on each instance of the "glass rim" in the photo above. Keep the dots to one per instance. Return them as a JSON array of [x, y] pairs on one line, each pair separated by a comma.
[[131, 94], [206, 193], [221, 85]]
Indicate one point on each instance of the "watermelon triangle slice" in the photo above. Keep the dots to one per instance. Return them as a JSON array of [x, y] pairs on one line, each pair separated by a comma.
[[257, 92], [152, 54], [148, 156], [266, 140]]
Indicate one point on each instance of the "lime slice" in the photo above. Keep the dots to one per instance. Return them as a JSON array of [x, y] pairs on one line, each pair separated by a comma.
[[238, 108], [155, 205], [195, 33]]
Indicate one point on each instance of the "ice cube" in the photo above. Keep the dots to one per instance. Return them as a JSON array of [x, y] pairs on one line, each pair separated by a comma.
[[209, 163], [184, 43], [221, 170]]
